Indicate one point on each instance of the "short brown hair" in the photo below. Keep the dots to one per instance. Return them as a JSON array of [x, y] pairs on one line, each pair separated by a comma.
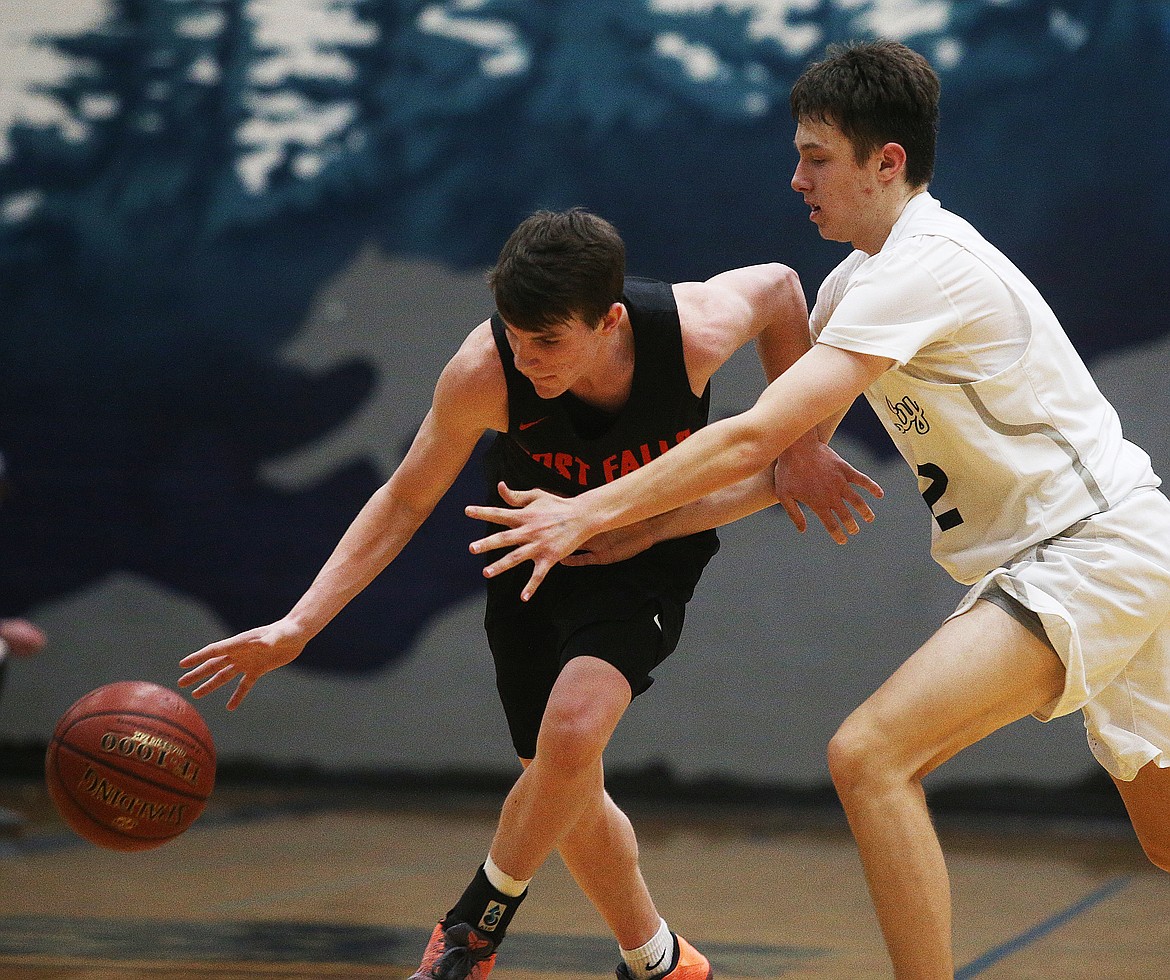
[[557, 265], [875, 92]]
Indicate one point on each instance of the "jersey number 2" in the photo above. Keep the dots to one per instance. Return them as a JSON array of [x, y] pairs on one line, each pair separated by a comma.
[[934, 490]]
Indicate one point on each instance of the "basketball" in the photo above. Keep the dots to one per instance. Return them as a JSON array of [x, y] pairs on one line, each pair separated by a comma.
[[130, 765]]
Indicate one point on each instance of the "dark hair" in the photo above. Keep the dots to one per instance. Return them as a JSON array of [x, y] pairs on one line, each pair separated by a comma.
[[875, 92], [557, 265]]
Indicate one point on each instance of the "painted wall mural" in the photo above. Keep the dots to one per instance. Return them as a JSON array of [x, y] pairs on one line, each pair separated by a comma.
[[239, 238]]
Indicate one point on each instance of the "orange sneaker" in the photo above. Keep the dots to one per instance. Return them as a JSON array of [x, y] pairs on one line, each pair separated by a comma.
[[688, 964], [458, 953]]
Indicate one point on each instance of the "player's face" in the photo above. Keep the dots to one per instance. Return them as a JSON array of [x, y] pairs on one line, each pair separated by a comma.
[[839, 191], [556, 357]]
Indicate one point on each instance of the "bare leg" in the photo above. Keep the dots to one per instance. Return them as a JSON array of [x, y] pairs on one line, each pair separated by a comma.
[[978, 673], [559, 801], [601, 852], [1147, 799]]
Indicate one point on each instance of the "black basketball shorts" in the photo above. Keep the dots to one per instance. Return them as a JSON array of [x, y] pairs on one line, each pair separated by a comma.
[[531, 642]]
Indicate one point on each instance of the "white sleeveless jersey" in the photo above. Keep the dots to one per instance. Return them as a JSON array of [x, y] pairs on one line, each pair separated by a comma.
[[988, 402]]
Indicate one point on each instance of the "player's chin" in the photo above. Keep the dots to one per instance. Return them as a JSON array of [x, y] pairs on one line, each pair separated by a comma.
[[548, 388]]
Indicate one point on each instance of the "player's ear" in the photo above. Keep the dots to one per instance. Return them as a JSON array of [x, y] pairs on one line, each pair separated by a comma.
[[891, 161], [612, 318]]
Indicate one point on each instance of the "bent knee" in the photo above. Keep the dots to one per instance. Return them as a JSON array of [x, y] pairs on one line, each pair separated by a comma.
[[864, 758], [853, 755], [571, 739]]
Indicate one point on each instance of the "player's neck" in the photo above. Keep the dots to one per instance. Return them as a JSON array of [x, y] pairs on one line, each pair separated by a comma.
[[885, 216], [608, 384]]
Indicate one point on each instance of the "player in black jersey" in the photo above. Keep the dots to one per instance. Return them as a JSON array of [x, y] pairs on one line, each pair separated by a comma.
[[585, 375]]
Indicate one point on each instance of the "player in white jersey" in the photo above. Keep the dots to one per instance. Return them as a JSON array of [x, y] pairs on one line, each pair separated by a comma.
[[987, 400], [1034, 495]]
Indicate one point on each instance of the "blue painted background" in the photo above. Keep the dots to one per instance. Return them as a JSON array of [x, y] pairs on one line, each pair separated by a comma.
[[198, 171]]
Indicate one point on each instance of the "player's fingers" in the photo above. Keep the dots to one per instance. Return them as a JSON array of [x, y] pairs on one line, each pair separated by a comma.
[[506, 561], [494, 542], [857, 478], [204, 689], [794, 512], [829, 519], [581, 558], [516, 498], [846, 519], [202, 655], [246, 684], [493, 515], [857, 502], [538, 574], [201, 671], [843, 516], [221, 677]]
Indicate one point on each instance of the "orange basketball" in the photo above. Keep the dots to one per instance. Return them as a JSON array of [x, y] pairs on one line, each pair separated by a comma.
[[130, 765]]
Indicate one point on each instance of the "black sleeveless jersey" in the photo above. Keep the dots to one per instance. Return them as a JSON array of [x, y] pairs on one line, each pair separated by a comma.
[[567, 446]]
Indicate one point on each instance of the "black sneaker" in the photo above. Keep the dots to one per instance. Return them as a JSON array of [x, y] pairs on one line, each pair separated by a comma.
[[458, 953]]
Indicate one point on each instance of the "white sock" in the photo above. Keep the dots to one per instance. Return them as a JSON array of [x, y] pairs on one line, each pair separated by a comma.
[[654, 958], [503, 882]]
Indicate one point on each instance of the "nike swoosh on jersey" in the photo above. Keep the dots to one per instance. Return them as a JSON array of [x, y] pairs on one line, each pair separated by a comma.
[[529, 425]]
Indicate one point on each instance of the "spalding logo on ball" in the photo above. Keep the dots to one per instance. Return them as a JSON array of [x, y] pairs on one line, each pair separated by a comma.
[[130, 765]]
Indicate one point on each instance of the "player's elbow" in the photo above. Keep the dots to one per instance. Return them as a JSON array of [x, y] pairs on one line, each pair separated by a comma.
[[783, 278], [784, 286]]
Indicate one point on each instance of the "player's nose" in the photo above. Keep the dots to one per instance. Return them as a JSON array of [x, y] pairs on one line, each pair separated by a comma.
[[525, 360]]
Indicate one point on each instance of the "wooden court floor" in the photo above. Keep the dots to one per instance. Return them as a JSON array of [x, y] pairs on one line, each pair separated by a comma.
[[312, 883]]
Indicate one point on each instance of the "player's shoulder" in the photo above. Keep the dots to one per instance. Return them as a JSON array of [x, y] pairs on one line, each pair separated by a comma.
[[472, 392], [475, 374], [735, 291], [833, 286], [478, 355]]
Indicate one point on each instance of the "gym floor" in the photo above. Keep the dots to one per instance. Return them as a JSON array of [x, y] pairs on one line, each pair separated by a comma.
[[315, 881]]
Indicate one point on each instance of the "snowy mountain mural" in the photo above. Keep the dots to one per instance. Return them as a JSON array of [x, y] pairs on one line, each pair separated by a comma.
[[190, 187]]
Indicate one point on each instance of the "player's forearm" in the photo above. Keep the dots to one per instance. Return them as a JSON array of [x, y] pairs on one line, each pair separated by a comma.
[[716, 509], [375, 538], [821, 385], [717, 456]]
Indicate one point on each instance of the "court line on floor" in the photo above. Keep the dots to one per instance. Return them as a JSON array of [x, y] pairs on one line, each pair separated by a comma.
[[63, 941], [1027, 937]]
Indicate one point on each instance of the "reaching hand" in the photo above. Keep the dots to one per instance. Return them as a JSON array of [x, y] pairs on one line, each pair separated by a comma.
[[249, 656], [544, 529], [810, 473]]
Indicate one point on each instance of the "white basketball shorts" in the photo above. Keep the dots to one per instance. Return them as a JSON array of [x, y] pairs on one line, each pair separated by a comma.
[[1102, 592]]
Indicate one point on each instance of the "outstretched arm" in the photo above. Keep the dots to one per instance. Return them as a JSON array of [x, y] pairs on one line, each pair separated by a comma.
[[714, 510], [756, 493], [468, 399], [547, 529]]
